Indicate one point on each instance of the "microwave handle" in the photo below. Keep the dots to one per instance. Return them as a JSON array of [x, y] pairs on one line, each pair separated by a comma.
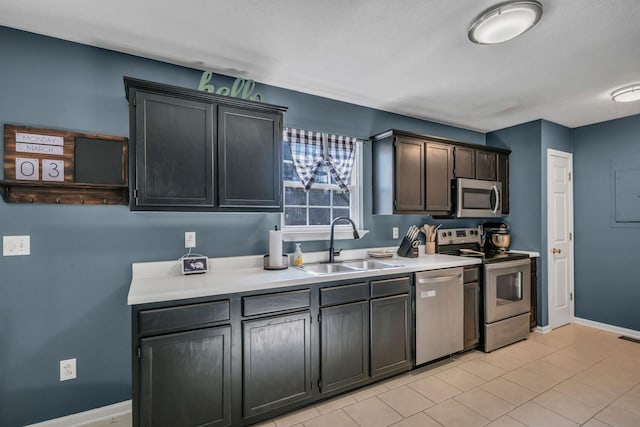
[[497, 193]]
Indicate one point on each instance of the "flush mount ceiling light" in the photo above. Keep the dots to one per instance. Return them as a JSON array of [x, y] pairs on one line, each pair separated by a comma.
[[627, 94], [504, 21]]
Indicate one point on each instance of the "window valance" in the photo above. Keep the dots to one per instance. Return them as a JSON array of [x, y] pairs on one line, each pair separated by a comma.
[[311, 151]]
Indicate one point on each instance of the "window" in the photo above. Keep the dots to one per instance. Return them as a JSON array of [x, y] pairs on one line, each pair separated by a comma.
[[311, 212]]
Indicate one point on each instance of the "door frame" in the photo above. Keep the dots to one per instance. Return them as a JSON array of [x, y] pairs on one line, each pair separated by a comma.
[[570, 222]]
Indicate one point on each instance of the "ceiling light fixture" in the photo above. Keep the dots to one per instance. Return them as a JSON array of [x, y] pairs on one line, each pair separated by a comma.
[[627, 94], [504, 21]]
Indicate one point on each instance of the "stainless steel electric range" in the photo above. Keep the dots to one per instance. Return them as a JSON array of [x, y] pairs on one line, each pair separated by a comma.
[[506, 287]]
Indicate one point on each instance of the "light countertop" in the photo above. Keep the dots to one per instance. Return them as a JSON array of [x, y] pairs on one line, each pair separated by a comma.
[[163, 281]]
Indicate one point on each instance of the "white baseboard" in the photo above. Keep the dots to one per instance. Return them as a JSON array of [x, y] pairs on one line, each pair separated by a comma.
[[605, 327], [103, 413], [542, 329]]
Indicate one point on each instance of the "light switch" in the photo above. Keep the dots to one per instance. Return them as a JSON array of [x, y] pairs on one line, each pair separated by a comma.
[[16, 245]]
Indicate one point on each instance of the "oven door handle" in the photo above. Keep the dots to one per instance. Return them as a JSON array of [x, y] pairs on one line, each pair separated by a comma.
[[497, 193], [508, 264]]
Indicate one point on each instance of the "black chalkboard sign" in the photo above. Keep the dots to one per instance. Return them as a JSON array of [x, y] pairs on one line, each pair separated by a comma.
[[99, 161]]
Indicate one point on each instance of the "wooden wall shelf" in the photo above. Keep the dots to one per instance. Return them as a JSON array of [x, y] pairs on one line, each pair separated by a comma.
[[64, 167], [71, 193]]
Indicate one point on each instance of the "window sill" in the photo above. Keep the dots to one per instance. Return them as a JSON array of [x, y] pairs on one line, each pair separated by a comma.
[[308, 236]]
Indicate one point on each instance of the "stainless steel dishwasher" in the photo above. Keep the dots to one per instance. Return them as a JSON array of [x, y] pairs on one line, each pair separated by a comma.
[[439, 314]]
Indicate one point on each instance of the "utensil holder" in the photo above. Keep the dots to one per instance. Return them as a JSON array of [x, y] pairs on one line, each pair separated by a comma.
[[406, 249], [430, 248]]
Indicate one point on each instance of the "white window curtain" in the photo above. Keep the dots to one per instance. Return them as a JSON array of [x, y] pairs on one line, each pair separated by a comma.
[[312, 150]]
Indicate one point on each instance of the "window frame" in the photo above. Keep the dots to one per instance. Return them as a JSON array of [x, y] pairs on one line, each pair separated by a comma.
[[299, 233]]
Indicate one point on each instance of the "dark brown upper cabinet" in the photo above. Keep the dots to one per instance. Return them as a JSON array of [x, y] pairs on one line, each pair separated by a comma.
[[439, 176], [503, 177], [197, 151], [412, 173], [486, 165], [475, 163], [464, 162]]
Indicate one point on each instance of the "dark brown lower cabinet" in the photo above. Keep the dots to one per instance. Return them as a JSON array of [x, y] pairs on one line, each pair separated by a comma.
[[390, 335], [534, 294], [471, 315], [240, 359], [276, 362], [344, 345], [185, 378]]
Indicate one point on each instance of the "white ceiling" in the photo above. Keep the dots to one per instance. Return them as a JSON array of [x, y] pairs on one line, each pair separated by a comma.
[[411, 57]]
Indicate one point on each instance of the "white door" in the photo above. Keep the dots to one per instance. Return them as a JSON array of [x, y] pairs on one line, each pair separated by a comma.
[[560, 236]]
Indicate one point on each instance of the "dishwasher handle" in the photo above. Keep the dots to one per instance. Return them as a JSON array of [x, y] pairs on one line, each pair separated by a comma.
[[439, 279]]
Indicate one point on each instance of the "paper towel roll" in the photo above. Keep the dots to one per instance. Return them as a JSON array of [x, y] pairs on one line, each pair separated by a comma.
[[275, 248]]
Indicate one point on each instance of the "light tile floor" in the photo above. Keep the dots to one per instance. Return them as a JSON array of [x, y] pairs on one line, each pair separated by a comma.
[[574, 375]]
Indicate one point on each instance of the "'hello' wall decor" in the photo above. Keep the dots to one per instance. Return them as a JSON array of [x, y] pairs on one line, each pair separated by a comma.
[[241, 88]]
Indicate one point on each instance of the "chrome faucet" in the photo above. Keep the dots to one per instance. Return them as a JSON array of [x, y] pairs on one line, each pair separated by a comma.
[[333, 253]]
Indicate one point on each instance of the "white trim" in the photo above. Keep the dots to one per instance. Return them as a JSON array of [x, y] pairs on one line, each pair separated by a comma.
[[569, 156], [542, 329], [104, 413], [606, 327]]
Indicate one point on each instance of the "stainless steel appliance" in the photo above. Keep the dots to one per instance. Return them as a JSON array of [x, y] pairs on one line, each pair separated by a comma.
[[439, 314], [497, 236], [477, 199], [506, 287]]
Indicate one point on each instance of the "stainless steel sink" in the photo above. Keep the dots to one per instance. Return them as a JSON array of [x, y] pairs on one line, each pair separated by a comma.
[[346, 267], [367, 264], [319, 269]]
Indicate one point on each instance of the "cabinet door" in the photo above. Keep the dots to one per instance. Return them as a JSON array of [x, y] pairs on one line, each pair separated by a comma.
[[344, 345], [174, 152], [471, 315], [185, 379], [276, 362], [409, 176], [464, 160], [503, 177], [390, 335], [486, 165], [249, 159], [438, 177]]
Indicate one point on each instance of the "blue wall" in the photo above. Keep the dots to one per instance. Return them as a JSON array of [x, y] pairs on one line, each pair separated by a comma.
[[524, 188], [606, 254], [68, 299], [528, 183]]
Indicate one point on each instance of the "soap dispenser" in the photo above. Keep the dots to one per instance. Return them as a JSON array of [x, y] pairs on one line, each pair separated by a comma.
[[297, 255]]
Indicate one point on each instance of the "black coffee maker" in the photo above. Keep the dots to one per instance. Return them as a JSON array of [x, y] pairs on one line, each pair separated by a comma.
[[497, 237]]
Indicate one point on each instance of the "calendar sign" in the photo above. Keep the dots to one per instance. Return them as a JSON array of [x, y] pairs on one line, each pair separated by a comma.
[[53, 170], [27, 169]]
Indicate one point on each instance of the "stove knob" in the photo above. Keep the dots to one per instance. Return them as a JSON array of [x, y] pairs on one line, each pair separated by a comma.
[[448, 233]]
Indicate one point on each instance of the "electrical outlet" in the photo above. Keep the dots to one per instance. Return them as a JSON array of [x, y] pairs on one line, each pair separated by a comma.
[[68, 369], [395, 232], [16, 245], [190, 239]]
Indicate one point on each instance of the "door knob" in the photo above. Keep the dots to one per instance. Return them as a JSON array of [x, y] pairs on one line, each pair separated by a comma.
[[556, 251]]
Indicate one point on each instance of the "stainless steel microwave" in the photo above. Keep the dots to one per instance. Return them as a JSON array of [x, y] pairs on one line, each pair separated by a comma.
[[477, 199]]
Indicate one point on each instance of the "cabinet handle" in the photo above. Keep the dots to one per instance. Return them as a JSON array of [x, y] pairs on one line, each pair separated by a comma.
[[556, 251]]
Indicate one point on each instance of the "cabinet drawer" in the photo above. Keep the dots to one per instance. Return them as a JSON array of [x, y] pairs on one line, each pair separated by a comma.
[[471, 274], [269, 303], [182, 317], [344, 294], [399, 285]]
